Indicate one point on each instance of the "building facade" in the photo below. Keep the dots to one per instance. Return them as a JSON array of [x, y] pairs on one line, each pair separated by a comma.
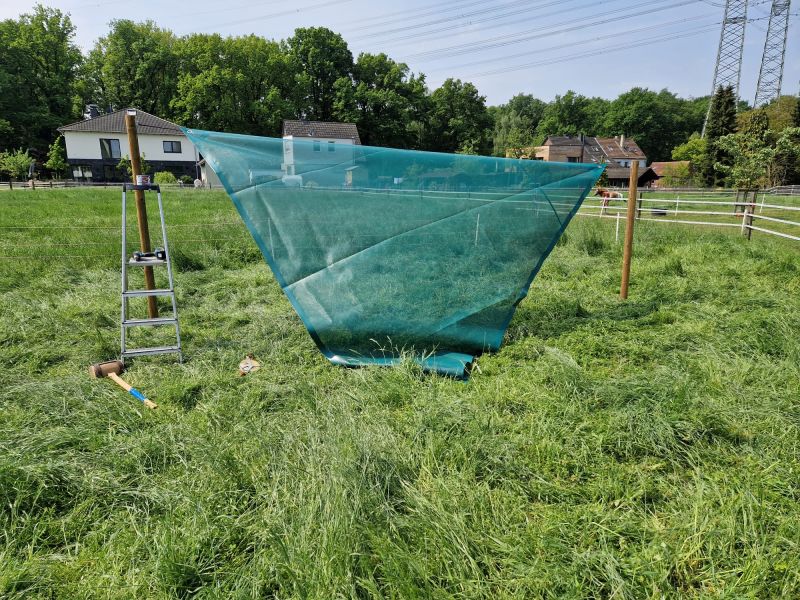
[[96, 145]]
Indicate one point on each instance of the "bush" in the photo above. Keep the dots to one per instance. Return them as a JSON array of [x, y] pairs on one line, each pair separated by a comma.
[[186, 180], [165, 177]]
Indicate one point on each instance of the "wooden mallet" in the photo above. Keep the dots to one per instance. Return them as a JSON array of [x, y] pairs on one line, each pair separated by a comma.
[[112, 369]]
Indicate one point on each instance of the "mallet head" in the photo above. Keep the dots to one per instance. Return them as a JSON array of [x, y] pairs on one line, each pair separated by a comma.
[[104, 369]]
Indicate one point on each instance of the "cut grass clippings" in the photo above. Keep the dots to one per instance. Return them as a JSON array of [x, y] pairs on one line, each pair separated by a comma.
[[638, 449]]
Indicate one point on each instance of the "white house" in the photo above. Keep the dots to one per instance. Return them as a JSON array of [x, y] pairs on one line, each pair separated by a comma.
[[95, 146], [323, 144]]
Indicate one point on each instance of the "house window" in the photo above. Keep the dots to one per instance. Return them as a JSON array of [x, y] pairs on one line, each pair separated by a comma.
[[172, 147], [317, 147], [109, 149], [572, 159], [331, 146]]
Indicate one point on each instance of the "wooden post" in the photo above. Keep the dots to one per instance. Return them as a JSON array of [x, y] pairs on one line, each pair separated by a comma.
[[141, 210], [627, 252], [747, 220]]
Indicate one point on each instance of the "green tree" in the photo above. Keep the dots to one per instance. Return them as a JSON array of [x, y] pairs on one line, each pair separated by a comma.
[[515, 124], [658, 121], [241, 85], [124, 165], [135, 64], [38, 71], [164, 177], [780, 113], [322, 57], [566, 115], [383, 98], [57, 157], [785, 167], [721, 122], [693, 150], [16, 164], [458, 119], [796, 114]]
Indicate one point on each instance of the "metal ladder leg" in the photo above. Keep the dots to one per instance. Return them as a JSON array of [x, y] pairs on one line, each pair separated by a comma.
[[150, 261]]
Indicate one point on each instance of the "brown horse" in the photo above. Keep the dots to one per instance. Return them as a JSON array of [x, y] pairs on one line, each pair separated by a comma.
[[607, 195]]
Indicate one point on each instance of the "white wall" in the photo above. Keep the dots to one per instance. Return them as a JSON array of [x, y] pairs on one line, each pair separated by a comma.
[[86, 145], [300, 150]]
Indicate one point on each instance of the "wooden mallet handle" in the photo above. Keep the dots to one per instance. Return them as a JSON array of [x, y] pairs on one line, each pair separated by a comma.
[[132, 390]]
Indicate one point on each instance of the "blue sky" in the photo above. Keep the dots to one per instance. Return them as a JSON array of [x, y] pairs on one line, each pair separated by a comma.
[[542, 47]]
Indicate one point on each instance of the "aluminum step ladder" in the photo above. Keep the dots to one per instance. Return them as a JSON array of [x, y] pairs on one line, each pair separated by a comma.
[[130, 261]]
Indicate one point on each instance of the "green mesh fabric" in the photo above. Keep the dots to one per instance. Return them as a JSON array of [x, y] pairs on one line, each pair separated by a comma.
[[387, 253]]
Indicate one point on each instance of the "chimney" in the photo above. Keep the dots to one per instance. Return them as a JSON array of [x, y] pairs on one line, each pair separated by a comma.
[[622, 141]]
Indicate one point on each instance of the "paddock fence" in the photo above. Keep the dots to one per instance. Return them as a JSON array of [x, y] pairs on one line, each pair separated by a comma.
[[766, 211]]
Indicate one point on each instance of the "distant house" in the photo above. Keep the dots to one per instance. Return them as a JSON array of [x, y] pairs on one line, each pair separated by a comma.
[[95, 146], [320, 144], [675, 173], [616, 152]]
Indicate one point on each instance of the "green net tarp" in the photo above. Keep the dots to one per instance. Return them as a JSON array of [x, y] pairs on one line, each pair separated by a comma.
[[386, 253]]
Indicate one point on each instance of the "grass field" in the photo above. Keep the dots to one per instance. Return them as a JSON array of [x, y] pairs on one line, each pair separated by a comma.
[[639, 449]]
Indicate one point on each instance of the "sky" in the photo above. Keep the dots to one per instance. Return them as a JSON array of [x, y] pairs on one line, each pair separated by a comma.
[[540, 47]]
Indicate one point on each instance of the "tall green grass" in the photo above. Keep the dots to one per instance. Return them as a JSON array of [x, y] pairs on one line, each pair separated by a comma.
[[612, 449]]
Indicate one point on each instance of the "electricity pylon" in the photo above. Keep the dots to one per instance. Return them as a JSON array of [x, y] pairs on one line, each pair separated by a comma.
[[771, 73], [728, 70]]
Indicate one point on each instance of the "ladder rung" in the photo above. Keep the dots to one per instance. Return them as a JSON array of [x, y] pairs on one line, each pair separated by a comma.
[[150, 322], [133, 293], [155, 350], [146, 263]]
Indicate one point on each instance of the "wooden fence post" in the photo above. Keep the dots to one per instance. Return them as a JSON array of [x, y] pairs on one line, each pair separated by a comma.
[[627, 252], [141, 209]]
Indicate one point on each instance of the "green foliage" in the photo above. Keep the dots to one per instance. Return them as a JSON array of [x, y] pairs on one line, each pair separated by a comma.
[[566, 115], [134, 65], [186, 179], [15, 164], [242, 84], [693, 150], [124, 165], [639, 449], [383, 99], [57, 157], [38, 70], [676, 175], [323, 58], [721, 122], [658, 121], [164, 177], [458, 119], [780, 113]]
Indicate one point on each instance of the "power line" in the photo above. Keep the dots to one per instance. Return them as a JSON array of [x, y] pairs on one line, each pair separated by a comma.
[[570, 44], [585, 54], [547, 31], [494, 16]]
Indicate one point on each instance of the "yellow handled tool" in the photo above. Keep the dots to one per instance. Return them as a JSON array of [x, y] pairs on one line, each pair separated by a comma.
[[111, 369]]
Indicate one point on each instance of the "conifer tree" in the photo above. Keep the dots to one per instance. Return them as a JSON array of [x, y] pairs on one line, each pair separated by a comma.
[[721, 121]]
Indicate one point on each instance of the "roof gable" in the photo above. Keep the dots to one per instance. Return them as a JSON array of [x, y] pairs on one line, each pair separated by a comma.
[[339, 131], [146, 124]]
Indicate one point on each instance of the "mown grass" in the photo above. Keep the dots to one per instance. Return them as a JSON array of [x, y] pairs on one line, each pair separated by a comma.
[[611, 449]]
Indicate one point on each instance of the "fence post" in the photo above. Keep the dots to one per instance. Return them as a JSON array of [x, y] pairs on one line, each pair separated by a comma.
[[638, 196], [627, 251], [747, 220]]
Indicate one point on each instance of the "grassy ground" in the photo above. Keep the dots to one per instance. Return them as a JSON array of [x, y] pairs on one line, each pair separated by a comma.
[[626, 450]]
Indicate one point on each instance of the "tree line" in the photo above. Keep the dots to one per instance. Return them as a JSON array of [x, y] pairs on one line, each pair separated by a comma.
[[249, 84]]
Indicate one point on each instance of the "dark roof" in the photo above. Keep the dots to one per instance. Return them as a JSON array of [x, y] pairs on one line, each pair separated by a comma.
[[146, 124], [339, 131], [645, 175], [562, 140], [613, 149]]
